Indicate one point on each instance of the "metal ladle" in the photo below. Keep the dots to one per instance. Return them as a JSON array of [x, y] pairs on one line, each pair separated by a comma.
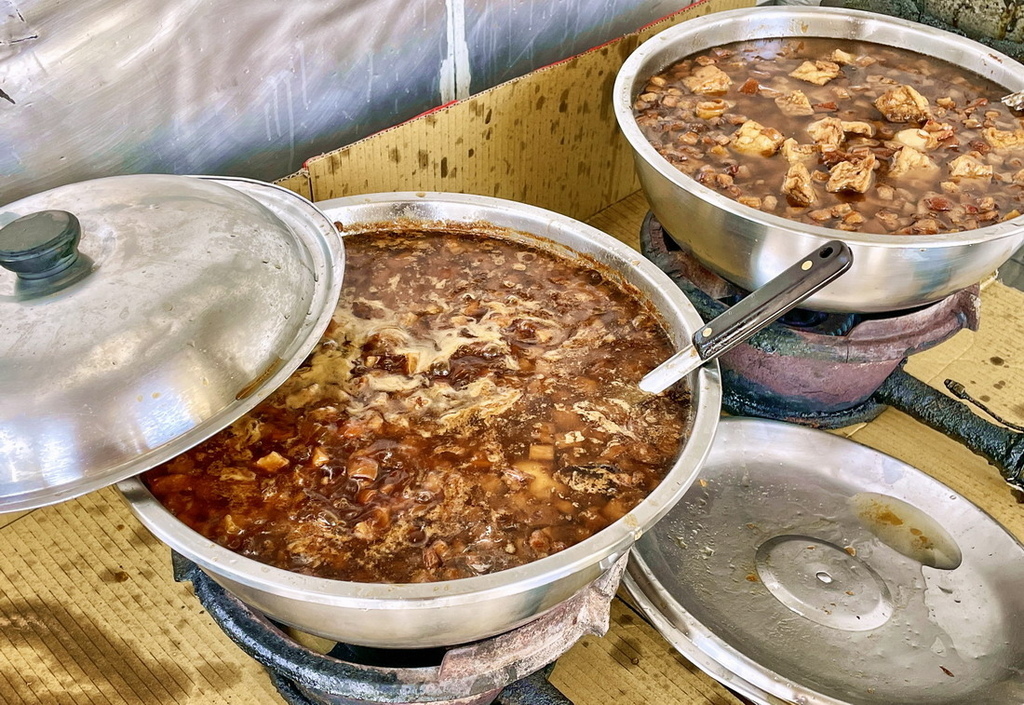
[[758, 310]]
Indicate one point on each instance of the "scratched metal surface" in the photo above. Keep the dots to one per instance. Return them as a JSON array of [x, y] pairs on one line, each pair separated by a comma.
[[255, 87], [508, 38]]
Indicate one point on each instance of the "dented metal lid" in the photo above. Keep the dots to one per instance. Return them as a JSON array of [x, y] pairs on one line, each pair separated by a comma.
[[802, 567], [141, 314]]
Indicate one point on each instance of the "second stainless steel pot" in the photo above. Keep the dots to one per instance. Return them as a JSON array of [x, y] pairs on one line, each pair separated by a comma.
[[459, 611], [747, 246]]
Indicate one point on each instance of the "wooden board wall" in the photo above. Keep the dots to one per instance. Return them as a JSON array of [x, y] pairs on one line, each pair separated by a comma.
[[548, 139]]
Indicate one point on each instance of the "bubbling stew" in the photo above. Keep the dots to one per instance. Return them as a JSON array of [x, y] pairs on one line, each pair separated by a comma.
[[842, 134], [471, 408]]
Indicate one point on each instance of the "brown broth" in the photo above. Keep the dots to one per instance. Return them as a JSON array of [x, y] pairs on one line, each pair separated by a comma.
[[470, 409], [963, 118]]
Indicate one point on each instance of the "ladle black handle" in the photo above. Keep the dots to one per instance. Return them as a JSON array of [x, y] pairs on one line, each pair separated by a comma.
[[751, 314], [41, 244], [763, 306]]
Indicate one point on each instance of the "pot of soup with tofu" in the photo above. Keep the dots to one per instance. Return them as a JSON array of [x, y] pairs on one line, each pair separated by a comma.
[[760, 134]]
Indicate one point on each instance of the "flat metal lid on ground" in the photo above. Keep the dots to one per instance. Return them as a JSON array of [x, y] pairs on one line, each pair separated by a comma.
[[804, 567]]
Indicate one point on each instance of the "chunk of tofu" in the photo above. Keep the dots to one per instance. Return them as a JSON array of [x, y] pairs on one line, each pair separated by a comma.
[[273, 461], [707, 109], [938, 130], [754, 138], [908, 160], [842, 58], [840, 210], [967, 167], [1004, 139], [797, 186], [921, 140], [794, 152], [858, 128], [708, 80], [827, 132], [817, 72], [794, 104], [903, 104], [888, 219], [924, 226], [855, 174]]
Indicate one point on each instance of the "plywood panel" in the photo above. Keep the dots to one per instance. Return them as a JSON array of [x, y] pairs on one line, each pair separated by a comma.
[[298, 182], [548, 139], [9, 517], [89, 614]]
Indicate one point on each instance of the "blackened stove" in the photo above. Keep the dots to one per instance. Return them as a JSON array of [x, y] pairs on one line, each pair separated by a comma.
[[509, 669], [829, 370]]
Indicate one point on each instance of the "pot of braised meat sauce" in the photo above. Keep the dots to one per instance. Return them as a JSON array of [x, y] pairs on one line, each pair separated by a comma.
[[466, 447], [759, 135]]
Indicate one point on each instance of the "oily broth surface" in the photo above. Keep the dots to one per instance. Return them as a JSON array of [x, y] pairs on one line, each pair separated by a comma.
[[964, 119], [471, 408]]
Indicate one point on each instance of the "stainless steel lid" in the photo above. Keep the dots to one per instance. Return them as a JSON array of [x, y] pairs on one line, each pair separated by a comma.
[[189, 301], [803, 567]]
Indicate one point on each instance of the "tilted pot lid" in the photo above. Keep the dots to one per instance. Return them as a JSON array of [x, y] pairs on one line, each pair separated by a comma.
[[802, 567], [190, 299]]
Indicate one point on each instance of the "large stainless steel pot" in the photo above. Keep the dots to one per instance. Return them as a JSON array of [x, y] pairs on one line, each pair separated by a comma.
[[459, 611], [747, 246]]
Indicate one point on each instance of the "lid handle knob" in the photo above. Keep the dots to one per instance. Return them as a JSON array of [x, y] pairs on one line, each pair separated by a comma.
[[41, 244]]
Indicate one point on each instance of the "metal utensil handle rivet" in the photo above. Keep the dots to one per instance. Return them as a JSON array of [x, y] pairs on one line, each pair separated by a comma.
[[40, 244], [783, 293]]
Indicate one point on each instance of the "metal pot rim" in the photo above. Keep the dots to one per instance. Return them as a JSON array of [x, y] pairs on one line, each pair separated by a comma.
[[630, 73], [608, 543]]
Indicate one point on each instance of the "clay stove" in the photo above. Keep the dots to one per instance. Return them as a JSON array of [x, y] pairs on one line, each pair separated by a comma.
[[829, 370], [509, 669]]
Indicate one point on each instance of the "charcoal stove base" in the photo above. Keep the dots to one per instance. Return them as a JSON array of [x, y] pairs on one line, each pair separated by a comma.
[[832, 370], [532, 690], [813, 368], [509, 669]]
